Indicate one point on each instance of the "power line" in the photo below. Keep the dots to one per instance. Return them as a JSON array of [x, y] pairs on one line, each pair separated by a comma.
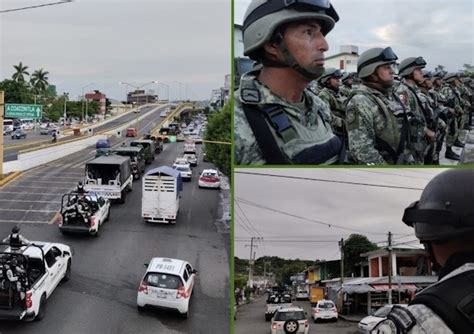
[[36, 6], [329, 181], [304, 218], [248, 223]]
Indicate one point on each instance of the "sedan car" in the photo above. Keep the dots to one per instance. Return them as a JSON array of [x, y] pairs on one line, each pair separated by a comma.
[[167, 284], [185, 172], [18, 134], [209, 179], [324, 309], [192, 159], [289, 320], [368, 323]]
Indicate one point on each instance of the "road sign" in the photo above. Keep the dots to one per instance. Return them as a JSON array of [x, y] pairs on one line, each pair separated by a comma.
[[23, 110]]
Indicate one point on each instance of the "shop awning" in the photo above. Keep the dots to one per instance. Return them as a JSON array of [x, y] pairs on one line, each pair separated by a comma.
[[395, 286]]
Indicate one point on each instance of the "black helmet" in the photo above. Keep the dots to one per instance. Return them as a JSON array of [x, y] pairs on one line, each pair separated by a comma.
[[15, 229], [445, 210]]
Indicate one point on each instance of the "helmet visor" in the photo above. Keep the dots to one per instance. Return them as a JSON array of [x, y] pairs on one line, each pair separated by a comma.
[[273, 6], [387, 55]]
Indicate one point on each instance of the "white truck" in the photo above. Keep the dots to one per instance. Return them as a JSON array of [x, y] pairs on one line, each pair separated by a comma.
[[161, 193], [83, 213], [28, 277], [110, 176]]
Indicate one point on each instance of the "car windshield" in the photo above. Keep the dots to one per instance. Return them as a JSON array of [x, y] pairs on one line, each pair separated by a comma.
[[165, 281], [293, 315], [382, 312], [182, 168], [209, 174], [278, 299], [325, 305]]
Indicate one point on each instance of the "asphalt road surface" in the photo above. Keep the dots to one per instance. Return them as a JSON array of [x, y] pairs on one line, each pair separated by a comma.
[[250, 318], [106, 271]]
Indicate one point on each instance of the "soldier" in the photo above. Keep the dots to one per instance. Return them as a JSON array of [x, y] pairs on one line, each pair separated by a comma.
[[443, 219], [347, 81], [331, 95], [421, 134], [377, 121], [453, 101], [466, 103], [277, 119], [15, 239]]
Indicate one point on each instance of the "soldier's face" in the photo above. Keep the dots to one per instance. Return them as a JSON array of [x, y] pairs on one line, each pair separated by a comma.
[[306, 43], [428, 84], [417, 75], [385, 73], [334, 83]]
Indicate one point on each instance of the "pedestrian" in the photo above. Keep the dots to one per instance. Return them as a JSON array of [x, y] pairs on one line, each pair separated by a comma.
[[443, 220], [377, 121], [277, 120]]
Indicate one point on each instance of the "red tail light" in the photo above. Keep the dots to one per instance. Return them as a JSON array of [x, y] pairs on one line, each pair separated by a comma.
[[181, 292], [306, 323], [143, 287], [334, 309], [92, 221], [60, 220], [28, 301], [316, 310], [274, 326]]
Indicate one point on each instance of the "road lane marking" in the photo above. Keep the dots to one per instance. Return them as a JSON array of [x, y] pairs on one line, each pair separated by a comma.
[[29, 210], [30, 201], [30, 193], [24, 221]]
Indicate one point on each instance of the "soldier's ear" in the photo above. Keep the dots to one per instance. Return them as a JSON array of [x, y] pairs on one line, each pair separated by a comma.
[[272, 49]]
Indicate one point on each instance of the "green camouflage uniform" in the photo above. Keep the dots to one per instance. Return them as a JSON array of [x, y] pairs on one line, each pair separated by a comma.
[[311, 120], [452, 96], [368, 123], [437, 102], [345, 91], [466, 104], [417, 123], [336, 103]]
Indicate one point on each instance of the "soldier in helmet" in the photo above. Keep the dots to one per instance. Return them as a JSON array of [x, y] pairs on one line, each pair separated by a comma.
[[376, 119], [421, 135], [453, 101], [277, 119], [466, 102], [331, 95], [443, 220], [15, 239], [347, 81]]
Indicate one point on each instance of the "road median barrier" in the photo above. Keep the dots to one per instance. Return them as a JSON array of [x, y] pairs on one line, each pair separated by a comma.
[[10, 177]]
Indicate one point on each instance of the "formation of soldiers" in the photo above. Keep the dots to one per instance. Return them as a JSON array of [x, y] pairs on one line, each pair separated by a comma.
[[432, 108]]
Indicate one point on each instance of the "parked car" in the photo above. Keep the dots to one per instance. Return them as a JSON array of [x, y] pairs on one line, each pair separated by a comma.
[[290, 320], [167, 283], [209, 179], [18, 134], [368, 323], [324, 309], [131, 132]]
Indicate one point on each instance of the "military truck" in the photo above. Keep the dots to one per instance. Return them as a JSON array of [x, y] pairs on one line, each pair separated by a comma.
[[137, 158], [109, 176], [149, 148]]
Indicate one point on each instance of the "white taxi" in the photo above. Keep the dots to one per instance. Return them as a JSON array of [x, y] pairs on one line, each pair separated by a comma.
[[167, 283], [209, 179]]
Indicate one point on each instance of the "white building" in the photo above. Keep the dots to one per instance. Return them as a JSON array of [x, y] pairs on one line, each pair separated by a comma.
[[238, 41], [345, 60]]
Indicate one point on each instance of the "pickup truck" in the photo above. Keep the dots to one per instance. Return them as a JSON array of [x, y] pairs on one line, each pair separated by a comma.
[[83, 213], [276, 301], [38, 268]]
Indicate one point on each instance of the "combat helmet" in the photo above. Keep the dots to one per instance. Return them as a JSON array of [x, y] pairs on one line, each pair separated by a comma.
[[373, 58], [451, 76], [407, 66], [263, 17], [329, 73], [445, 209]]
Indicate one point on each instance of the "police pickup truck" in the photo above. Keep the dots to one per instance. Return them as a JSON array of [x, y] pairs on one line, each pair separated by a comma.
[[275, 302], [28, 276], [83, 213]]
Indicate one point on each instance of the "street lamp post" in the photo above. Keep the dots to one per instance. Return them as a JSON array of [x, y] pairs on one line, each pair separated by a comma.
[[82, 100], [167, 89], [65, 95]]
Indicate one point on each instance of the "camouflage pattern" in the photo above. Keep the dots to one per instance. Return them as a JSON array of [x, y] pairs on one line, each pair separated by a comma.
[[366, 122], [466, 104], [418, 124], [315, 87], [335, 102], [310, 118], [432, 121], [345, 91], [451, 94], [427, 322]]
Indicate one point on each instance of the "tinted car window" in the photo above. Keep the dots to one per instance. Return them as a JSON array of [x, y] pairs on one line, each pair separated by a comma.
[[185, 275], [165, 281], [326, 305], [383, 312], [294, 315]]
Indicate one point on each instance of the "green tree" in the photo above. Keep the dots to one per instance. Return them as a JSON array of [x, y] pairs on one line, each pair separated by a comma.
[[15, 91], [20, 73], [39, 81], [441, 68], [218, 129], [355, 245]]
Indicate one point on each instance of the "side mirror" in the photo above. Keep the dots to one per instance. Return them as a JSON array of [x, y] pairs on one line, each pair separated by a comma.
[[194, 271], [145, 265]]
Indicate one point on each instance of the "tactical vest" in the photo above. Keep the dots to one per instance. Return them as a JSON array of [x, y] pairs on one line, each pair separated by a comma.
[[15, 240], [392, 141], [337, 109], [453, 301]]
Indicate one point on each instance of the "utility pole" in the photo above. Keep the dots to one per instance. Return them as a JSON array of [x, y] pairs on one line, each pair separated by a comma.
[[2, 100], [341, 246], [390, 268], [251, 259]]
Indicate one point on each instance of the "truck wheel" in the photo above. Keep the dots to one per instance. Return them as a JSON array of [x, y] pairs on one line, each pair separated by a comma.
[[123, 195], [108, 215], [67, 275], [96, 233], [41, 309], [140, 309]]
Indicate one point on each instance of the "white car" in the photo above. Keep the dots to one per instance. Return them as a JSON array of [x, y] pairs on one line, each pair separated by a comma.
[[45, 264], [290, 320], [167, 283], [181, 161], [191, 158], [324, 309], [185, 171], [368, 323], [209, 179]]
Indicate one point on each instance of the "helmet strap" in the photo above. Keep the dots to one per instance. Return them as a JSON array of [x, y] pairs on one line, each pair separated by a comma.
[[429, 249], [308, 73]]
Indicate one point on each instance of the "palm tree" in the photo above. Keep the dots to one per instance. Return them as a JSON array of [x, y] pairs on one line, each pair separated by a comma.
[[20, 72], [39, 81]]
